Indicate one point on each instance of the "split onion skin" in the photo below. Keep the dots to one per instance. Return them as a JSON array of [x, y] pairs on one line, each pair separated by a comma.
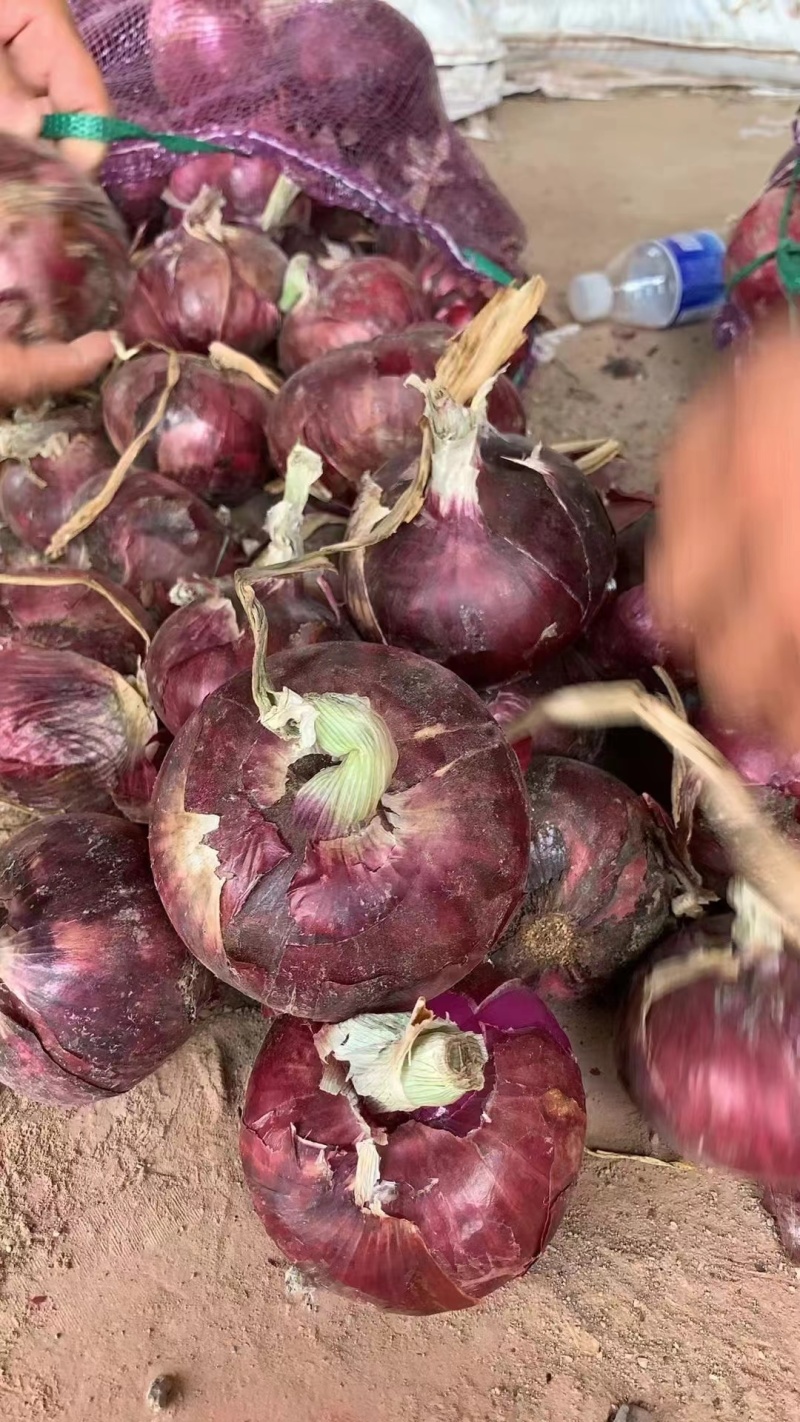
[[96, 990], [326, 928], [468, 1209]]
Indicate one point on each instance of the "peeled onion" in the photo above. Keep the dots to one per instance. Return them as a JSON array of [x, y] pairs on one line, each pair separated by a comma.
[[468, 1193], [96, 990], [343, 305]]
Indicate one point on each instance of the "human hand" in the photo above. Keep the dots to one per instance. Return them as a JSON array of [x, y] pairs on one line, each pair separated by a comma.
[[30, 373], [44, 68], [724, 576]]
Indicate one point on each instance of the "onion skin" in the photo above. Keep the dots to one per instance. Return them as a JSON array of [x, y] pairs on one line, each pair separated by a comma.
[[244, 184], [470, 1209], [354, 409], [73, 617], [362, 299], [204, 644], [72, 733], [514, 698], [599, 887], [191, 290], [96, 990], [327, 928], [154, 534], [756, 759], [213, 438], [715, 1064], [63, 250], [624, 641], [494, 590], [38, 495]]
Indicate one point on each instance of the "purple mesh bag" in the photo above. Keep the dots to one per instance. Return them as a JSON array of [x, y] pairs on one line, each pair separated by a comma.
[[343, 93]]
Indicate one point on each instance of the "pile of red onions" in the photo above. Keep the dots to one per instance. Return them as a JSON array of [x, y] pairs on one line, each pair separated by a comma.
[[64, 268], [506, 564], [213, 437], [65, 610], [600, 880], [319, 850], [204, 282], [419, 1162], [328, 307], [96, 990], [355, 409]]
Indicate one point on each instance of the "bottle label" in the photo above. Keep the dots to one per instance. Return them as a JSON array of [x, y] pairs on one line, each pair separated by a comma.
[[698, 258]]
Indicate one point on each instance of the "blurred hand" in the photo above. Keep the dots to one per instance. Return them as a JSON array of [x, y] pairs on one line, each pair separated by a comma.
[[30, 373], [724, 576], [44, 68]]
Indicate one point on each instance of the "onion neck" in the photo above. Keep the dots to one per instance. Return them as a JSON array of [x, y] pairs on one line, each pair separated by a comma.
[[284, 193], [400, 1062], [455, 464], [285, 520], [296, 283]]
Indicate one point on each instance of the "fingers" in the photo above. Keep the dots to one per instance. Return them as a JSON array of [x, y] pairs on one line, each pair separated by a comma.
[[50, 61], [29, 373]]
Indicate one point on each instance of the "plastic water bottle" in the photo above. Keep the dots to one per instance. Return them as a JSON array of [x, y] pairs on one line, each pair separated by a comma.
[[666, 282]]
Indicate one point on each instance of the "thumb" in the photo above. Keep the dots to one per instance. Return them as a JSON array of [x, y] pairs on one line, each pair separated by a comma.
[[29, 373]]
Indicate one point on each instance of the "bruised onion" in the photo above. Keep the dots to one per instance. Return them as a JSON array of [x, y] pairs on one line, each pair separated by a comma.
[[207, 641], [624, 640], [154, 534], [514, 698], [50, 466], [72, 611], [343, 305], [418, 1163], [74, 734], [213, 437], [64, 268], [204, 282], [710, 1051], [319, 851], [600, 880], [506, 563], [355, 409], [96, 989]]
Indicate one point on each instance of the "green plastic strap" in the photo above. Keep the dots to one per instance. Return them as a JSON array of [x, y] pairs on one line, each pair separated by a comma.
[[97, 128], [786, 254]]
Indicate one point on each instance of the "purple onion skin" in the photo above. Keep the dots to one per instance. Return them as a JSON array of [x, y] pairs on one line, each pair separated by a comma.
[[474, 1203], [38, 495], [63, 250], [495, 592], [204, 644], [624, 641], [599, 888], [192, 290], [96, 989], [66, 738], [711, 858], [756, 759], [213, 438], [715, 1064], [362, 299], [513, 698], [328, 928], [73, 617], [155, 534], [354, 409]]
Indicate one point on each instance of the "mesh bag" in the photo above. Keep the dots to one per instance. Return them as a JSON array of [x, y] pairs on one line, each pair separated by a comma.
[[343, 93]]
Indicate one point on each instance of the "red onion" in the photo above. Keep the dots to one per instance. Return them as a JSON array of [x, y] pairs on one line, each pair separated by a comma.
[[354, 408], [343, 305], [710, 1051], [205, 643], [74, 734], [434, 1206], [69, 611], [211, 42], [756, 233], [51, 467], [361, 885], [205, 282], [63, 250], [709, 854], [600, 881], [514, 698], [155, 534], [96, 990], [213, 437], [624, 641], [245, 186], [757, 760], [506, 563]]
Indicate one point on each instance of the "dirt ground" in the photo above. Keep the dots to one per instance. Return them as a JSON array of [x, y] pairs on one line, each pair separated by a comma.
[[127, 1245]]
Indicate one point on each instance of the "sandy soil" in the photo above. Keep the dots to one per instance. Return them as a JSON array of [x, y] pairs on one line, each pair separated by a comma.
[[127, 1246]]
